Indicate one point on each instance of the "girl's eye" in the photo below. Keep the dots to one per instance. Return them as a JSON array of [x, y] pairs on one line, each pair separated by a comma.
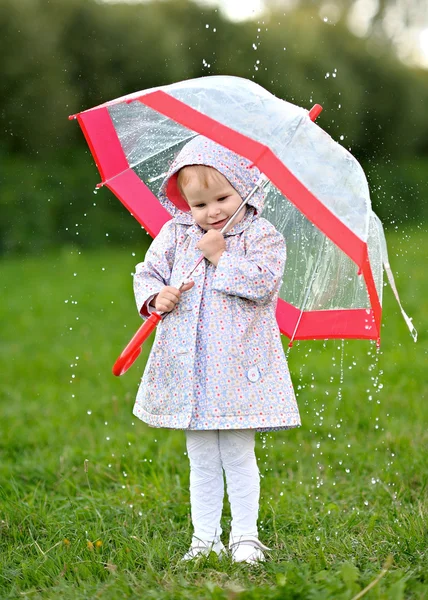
[[223, 198], [199, 205]]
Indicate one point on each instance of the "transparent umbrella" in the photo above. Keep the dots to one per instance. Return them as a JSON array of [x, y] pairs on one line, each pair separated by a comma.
[[318, 196]]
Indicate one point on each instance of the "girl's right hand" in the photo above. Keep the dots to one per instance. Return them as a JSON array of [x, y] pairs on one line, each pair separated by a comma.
[[169, 296]]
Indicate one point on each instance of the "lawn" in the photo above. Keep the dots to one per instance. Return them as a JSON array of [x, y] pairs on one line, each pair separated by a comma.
[[95, 504]]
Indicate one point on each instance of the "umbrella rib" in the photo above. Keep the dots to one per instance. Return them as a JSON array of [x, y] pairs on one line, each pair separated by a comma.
[[160, 151], [305, 299], [133, 165]]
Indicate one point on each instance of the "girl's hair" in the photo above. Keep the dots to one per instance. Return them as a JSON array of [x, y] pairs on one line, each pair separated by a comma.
[[203, 173]]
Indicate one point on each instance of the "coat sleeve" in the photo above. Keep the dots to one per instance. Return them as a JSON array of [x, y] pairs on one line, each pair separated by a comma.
[[257, 276], [155, 272]]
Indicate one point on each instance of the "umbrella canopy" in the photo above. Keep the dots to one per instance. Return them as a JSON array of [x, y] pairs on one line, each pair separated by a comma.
[[318, 198]]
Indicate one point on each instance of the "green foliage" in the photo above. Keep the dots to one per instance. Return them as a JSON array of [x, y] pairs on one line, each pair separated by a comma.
[[65, 56], [43, 209], [339, 495]]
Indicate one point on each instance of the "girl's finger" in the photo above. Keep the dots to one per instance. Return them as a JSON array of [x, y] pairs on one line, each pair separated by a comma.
[[165, 306], [171, 296], [186, 286]]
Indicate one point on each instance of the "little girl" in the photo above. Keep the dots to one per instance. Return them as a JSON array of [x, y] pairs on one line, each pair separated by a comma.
[[217, 367]]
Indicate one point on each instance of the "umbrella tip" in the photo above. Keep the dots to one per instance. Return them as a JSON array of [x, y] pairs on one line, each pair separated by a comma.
[[71, 117], [315, 111]]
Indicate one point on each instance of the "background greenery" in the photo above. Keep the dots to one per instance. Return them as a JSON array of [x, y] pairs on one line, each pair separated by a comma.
[[93, 504], [61, 57]]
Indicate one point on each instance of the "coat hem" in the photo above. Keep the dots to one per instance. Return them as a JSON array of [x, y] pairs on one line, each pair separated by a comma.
[[167, 422]]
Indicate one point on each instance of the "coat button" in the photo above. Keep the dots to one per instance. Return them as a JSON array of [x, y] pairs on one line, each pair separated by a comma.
[[253, 374]]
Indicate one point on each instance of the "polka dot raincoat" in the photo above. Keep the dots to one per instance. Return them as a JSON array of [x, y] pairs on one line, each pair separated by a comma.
[[217, 361]]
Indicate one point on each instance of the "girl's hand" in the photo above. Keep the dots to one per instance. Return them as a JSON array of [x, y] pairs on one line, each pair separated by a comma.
[[169, 296], [212, 245]]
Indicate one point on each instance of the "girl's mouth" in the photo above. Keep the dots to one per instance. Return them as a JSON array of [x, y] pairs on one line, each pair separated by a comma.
[[219, 224]]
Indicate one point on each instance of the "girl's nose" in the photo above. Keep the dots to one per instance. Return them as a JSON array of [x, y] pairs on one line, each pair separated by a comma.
[[213, 211]]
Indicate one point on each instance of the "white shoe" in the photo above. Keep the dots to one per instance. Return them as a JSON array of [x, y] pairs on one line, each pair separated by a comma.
[[203, 548], [248, 549]]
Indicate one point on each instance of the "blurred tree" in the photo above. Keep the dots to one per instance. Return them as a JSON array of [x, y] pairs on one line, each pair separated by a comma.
[[64, 56], [388, 24], [32, 82], [374, 15]]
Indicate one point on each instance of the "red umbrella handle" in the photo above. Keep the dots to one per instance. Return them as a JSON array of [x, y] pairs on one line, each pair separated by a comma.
[[133, 349]]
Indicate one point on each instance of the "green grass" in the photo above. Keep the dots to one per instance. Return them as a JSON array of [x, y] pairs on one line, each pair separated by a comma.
[[342, 496]]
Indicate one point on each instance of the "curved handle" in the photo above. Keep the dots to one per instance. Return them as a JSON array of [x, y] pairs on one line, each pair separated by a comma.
[[133, 349]]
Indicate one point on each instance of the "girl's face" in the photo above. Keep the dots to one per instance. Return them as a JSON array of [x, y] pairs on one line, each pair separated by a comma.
[[211, 198]]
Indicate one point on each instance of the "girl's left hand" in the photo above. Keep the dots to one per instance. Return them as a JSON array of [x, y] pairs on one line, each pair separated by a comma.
[[212, 246]]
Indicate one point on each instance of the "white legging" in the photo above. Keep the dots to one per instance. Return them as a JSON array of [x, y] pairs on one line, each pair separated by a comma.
[[209, 453]]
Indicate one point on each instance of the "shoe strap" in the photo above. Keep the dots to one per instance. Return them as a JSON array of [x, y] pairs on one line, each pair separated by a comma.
[[248, 541], [216, 547], [200, 545]]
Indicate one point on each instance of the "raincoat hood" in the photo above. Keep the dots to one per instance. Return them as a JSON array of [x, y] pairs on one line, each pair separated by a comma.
[[239, 171]]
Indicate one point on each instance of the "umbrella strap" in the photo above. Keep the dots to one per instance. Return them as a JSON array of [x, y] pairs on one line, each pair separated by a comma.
[[407, 319]]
